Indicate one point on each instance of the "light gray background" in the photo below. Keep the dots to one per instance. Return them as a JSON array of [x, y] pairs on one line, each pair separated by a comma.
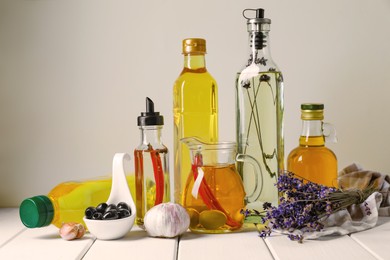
[[74, 75]]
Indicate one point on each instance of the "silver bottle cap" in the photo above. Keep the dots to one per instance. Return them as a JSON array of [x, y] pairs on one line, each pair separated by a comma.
[[257, 23]]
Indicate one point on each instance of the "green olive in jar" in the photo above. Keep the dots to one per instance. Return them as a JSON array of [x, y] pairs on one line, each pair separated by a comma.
[[212, 219], [194, 217]]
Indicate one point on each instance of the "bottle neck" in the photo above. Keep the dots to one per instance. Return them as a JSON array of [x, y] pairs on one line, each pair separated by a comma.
[[259, 49], [151, 135], [195, 62], [312, 133]]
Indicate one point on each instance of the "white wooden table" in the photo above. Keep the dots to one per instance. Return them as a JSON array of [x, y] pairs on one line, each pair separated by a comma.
[[18, 242]]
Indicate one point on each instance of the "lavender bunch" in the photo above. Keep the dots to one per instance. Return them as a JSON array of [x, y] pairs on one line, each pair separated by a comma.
[[304, 206]]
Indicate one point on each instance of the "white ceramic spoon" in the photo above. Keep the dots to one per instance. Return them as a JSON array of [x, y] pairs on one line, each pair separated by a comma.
[[120, 192]]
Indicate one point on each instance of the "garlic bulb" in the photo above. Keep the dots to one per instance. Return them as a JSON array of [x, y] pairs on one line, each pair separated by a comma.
[[72, 230], [166, 220]]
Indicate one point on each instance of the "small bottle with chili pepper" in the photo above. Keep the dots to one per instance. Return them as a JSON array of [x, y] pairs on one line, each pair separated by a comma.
[[151, 164]]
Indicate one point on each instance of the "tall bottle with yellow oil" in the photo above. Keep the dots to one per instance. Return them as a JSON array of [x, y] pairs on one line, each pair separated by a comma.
[[195, 108], [312, 160]]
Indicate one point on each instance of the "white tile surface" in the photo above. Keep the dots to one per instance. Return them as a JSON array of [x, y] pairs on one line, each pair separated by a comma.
[[9, 225], [136, 245], [334, 248], [18, 242], [44, 243], [376, 240], [245, 245]]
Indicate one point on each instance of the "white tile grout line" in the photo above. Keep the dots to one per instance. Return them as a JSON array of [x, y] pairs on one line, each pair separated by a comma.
[[365, 247], [269, 247], [11, 238], [177, 244], [84, 252]]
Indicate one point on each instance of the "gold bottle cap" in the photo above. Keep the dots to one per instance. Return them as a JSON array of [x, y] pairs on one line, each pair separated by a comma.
[[194, 46], [312, 111]]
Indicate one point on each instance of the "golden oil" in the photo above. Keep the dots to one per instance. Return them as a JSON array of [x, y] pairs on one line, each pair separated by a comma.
[[226, 187], [195, 109], [312, 160]]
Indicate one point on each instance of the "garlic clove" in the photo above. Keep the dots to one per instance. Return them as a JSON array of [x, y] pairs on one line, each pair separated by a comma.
[[81, 231], [166, 220], [72, 230]]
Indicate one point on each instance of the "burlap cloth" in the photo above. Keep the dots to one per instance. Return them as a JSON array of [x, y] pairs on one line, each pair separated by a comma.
[[356, 218], [355, 177]]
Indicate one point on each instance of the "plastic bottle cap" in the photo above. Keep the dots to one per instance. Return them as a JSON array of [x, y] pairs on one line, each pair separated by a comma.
[[36, 212], [150, 117]]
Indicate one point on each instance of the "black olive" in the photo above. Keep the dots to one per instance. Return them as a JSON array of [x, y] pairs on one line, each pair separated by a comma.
[[123, 205], [89, 212], [123, 213], [101, 207], [110, 207], [111, 214], [108, 212], [97, 215]]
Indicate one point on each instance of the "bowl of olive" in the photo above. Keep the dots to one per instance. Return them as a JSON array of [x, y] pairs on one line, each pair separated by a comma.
[[115, 218], [109, 221]]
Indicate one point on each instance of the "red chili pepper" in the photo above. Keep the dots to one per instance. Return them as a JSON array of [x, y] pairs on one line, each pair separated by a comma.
[[158, 174], [207, 195]]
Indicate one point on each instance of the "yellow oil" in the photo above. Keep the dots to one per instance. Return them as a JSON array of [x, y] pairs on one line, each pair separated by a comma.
[[195, 109], [259, 133], [70, 199], [313, 161], [226, 186]]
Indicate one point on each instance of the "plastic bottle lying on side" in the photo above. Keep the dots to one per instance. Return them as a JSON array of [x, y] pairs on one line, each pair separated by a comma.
[[66, 202]]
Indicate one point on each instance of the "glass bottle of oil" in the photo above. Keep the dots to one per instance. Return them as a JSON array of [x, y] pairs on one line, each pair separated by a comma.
[[151, 164], [259, 113], [312, 160], [195, 108], [67, 202]]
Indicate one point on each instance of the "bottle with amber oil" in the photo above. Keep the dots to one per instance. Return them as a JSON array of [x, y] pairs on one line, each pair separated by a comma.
[[312, 160], [151, 164], [195, 108]]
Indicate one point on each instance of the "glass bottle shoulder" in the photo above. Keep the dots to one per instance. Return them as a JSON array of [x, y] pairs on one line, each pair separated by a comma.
[[196, 92], [161, 148], [263, 64], [192, 78], [310, 151]]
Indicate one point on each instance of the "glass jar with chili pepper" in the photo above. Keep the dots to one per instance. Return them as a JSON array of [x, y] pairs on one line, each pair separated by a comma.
[[214, 194], [151, 164]]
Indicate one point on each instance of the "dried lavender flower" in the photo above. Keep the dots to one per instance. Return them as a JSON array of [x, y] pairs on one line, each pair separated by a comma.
[[304, 206]]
